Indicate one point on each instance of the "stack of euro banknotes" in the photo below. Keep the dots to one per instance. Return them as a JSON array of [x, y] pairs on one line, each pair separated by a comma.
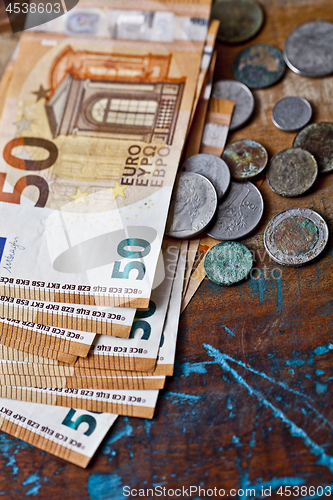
[[98, 109]]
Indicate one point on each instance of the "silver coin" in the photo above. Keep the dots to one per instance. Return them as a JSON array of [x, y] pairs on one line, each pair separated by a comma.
[[242, 97], [213, 167], [308, 49], [193, 206], [239, 213], [295, 236], [291, 113], [292, 172]]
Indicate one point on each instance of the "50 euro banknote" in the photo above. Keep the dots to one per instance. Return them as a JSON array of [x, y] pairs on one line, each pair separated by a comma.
[[100, 127]]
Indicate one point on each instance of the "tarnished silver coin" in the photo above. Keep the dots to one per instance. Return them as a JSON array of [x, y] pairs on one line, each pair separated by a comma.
[[239, 213], [193, 206], [317, 138], [228, 262], [295, 236], [212, 167], [239, 20], [308, 49], [259, 66], [291, 113], [242, 97], [292, 172], [245, 158]]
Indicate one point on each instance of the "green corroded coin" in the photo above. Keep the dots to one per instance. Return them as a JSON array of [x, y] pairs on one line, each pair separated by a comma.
[[239, 20], [317, 138], [228, 262], [245, 159], [259, 66]]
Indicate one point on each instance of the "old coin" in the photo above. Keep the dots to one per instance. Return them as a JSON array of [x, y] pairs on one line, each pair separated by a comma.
[[291, 113], [295, 236], [212, 167], [308, 49], [239, 213], [228, 262], [239, 20], [241, 95], [259, 66], [245, 158], [193, 206], [317, 138], [292, 172]]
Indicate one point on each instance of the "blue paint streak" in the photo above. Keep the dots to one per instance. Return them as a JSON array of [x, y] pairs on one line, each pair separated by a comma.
[[279, 294], [229, 331], [147, 425], [295, 362], [323, 349], [320, 372], [9, 447], [294, 429], [182, 398], [320, 388], [125, 432], [188, 368], [35, 478], [105, 486]]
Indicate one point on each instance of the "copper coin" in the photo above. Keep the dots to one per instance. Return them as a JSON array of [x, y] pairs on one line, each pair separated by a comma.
[[317, 138], [245, 159]]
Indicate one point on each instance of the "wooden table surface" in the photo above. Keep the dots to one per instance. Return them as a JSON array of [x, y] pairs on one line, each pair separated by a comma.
[[250, 403]]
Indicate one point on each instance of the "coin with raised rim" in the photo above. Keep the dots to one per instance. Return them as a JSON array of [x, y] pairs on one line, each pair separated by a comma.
[[228, 263], [259, 66], [308, 49], [295, 236], [292, 172], [239, 20], [239, 213], [317, 138], [193, 206], [241, 95], [245, 158], [212, 167], [291, 113]]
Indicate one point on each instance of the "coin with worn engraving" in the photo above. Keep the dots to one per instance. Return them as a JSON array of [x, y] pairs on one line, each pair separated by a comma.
[[239, 213], [212, 167], [241, 95], [228, 263], [291, 113], [239, 20], [259, 66], [295, 236], [193, 206], [245, 158], [308, 49], [292, 172], [317, 138]]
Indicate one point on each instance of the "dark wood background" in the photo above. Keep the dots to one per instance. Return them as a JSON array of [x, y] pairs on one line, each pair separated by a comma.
[[250, 402]]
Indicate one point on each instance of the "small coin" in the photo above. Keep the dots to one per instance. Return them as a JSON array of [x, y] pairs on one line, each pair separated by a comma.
[[212, 167], [308, 49], [292, 172], [228, 262], [239, 20], [291, 113], [241, 95], [295, 236], [259, 66], [317, 138], [239, 213], [245, 158], [193, 206]]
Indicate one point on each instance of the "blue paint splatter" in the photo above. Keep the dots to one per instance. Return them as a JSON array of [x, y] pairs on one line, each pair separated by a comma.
[[105, 487], [188, 368], [295, 362], [320, 372], [229, 331], [9, 448], [147, 425], [279, 294], [323, 349], [320, 388], [125, 432], [35, 478], [235, 440], [180, 397], [294, 429]]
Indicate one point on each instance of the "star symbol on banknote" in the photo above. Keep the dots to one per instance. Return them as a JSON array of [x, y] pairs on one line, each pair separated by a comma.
[[23, 124], [79, 197], [41, 93], [118, 190]]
